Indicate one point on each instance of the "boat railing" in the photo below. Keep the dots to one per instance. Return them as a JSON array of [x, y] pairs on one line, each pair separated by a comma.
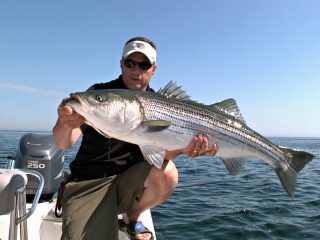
[[10, 162], [37, 195], [13, 184]]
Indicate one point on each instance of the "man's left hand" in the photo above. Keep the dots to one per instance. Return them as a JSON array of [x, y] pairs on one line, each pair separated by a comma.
[[199, 146]]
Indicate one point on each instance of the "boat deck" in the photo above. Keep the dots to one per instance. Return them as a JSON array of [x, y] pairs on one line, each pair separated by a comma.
[[43, 224]]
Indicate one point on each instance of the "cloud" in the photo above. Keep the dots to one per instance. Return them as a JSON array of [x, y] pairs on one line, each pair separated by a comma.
[[25, 88]]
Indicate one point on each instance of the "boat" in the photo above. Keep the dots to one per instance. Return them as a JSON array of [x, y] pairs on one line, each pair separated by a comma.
[[28, 191]]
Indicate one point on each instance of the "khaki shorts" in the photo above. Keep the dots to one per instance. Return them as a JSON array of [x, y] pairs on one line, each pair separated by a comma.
[[90, 208]]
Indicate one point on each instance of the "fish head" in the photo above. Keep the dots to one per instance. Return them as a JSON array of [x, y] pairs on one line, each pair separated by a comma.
[[112, 112]]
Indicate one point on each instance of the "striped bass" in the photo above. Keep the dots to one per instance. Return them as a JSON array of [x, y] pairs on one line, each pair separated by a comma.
[[168, 119]]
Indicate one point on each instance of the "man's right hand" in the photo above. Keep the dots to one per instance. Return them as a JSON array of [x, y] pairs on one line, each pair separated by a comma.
[[67, 128], [68, 117]]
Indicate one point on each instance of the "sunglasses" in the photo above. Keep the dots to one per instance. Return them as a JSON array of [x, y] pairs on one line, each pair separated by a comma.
[[129, 63]]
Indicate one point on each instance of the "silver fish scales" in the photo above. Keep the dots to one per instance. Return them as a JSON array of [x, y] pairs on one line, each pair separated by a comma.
[[168, 119]]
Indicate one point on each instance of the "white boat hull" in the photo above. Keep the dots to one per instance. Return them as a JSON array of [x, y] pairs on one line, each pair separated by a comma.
[[44, 225], [36, 169]]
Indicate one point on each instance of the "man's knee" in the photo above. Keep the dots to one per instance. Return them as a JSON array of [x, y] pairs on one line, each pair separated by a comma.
[[171, 176], [165, 179]]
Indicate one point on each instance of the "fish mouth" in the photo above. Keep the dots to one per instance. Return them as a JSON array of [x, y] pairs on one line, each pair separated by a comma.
[[75, 101]]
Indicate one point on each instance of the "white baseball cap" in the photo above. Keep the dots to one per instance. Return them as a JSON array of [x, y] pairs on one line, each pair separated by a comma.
[[140, 46]]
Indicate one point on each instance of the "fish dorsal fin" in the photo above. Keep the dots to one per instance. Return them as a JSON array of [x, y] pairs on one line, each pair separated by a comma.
[[172, 90], [230, 107]]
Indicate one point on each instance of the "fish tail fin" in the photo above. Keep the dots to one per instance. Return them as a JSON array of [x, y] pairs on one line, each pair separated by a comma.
[[288, 174]]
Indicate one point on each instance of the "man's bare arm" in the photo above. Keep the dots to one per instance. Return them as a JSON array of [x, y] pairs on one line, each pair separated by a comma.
[[199, 146], [67, 128]]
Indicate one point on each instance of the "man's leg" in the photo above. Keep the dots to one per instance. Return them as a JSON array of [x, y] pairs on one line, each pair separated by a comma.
[[158, 186], [142, 187], [89, 210]]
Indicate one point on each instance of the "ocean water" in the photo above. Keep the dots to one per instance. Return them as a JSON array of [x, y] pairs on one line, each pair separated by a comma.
[[211, 204]]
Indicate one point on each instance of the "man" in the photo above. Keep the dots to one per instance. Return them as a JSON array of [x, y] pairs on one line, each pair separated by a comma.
[[108, 176]]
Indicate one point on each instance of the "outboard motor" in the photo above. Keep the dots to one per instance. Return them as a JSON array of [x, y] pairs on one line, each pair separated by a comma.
[[39, 152]]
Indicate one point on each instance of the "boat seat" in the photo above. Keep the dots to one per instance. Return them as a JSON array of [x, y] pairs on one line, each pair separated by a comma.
[[10, 181]]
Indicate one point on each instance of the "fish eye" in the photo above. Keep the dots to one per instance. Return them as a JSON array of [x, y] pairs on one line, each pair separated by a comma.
[[99, 98]]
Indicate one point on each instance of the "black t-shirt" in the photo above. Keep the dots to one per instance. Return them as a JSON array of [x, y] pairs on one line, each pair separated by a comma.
[[99, 156]]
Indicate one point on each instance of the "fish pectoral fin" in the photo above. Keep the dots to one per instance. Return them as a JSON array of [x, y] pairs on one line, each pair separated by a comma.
[[233, 164], [153, 155], [156, 125]]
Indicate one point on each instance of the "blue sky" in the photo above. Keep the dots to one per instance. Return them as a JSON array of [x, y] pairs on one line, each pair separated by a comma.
[[263, 53]]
